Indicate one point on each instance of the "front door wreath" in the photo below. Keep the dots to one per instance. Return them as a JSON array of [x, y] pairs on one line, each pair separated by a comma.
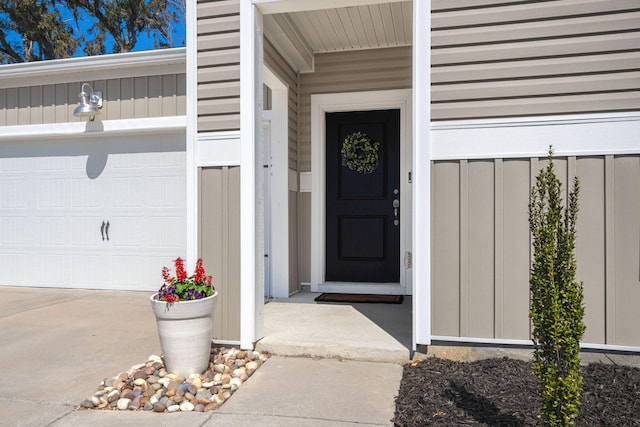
[[360, 153]]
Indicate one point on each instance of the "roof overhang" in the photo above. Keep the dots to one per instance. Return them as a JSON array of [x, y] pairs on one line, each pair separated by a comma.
[[130, 64], [301, 29]]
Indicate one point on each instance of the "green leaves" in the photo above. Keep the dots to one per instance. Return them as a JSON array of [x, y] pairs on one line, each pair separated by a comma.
[[34, 30], [557, 298]]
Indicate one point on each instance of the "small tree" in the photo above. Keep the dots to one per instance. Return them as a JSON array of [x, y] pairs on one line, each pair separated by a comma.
[[557, 306]]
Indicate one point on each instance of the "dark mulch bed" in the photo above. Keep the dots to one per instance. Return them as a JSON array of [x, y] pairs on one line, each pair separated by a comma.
[[503, 392]]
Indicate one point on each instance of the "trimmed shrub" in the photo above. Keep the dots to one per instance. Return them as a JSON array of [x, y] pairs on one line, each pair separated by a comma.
[[557, 308]]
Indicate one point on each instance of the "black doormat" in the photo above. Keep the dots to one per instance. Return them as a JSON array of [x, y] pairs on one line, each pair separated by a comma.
[[354, 298]]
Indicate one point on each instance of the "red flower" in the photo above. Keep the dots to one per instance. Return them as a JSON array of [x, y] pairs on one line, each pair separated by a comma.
[[181, 273], [184, 287], [166, 276], [199, 275]]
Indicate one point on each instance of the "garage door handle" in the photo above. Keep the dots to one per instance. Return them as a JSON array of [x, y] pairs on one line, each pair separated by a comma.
[[102, 230], [106, 231]]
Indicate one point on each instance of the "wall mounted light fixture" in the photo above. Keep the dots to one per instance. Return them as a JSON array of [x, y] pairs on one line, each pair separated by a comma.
[[90, 102]]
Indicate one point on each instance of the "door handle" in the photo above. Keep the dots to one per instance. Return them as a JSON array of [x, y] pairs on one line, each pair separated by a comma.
[[102, 230], [396, 205], [106, 231]]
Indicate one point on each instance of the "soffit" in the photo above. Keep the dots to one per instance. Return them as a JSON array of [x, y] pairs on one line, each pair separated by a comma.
[[300, 35]]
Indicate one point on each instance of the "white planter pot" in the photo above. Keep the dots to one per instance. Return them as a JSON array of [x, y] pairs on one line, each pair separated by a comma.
[[185, 329]]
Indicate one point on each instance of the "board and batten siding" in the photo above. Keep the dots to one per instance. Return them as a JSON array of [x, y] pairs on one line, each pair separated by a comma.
[[219, 245], [532, 58], [218, 30], [481, 246], [353, 71], [123, 98]]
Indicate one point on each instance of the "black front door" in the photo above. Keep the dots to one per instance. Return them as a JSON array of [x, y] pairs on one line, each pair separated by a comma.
[[362, 186]]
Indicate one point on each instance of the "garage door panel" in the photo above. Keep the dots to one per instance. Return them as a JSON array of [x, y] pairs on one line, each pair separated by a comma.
[[86, 231], [91, 270], [51, 269], [53, 230], [164, 191], [14, 193], [89, 193], [168, 232], [15, 231], [51, 193], [54, 197], [128, 192]]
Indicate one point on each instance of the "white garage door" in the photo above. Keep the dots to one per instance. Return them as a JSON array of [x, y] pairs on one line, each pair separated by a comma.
[[101, 213]]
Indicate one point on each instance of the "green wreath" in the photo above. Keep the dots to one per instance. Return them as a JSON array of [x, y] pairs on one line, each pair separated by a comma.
[[360, 153]]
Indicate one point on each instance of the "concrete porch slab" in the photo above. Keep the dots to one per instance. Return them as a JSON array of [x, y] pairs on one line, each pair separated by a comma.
[[326, 330]]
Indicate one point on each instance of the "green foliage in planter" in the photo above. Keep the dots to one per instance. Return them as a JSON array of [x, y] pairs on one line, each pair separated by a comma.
[[557, 308]]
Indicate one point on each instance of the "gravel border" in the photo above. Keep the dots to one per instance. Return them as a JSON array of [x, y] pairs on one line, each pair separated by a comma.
[[149, 387]]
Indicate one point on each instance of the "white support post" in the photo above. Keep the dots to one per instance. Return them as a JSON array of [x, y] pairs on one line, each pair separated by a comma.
[[191, 135], [421, 172], [251, 295]]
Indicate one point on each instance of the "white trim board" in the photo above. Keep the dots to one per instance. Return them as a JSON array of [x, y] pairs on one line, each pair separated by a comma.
[[571, 135], [357, 101], [287, 6], [528, 343], [215, 149], [173, 124]]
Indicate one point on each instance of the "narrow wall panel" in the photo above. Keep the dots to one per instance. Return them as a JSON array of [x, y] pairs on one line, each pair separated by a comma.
[[627, 250], [590, 245], [294, 283], [304, 237], [220, 244], [445, 283], [516, 250], [480, 258]]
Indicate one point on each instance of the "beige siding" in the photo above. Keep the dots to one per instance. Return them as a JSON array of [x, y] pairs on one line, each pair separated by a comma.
[[534, 58], [481, 246], [626, 251], [218, 65], [219, 244], [123, 98], [376, 69], [304, 237], [279, 66], [294, 282]]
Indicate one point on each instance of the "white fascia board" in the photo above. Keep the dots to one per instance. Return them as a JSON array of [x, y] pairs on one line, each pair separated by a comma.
[[155, 125], [571, 135], [129, 64], [285, 6]]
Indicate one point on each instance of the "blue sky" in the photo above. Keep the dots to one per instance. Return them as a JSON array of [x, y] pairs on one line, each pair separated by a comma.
[[144, 42]]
